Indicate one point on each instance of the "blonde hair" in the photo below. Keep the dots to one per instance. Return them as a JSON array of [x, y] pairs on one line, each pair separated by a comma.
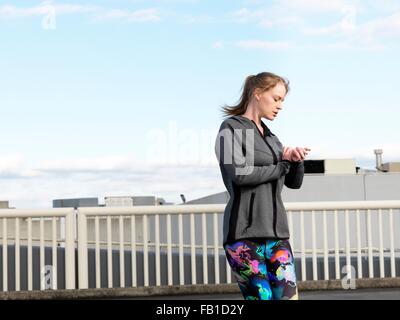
[[263, 81]]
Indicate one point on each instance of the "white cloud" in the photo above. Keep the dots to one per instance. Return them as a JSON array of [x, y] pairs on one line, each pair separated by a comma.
[[166, 1], [190, 18], [286, 13], [314, 6], [265, 17], [100, 177], [70, 9], [382, 6], [10, 11], [28, 184], [348, 45], [368, 35], [346, 26], [388, 26], [346, 33], [14, 166], [282, 22], [100, 13], [263, 45], [218, 45], [245, 15], [143, 15], [89, 164], [17, 165]]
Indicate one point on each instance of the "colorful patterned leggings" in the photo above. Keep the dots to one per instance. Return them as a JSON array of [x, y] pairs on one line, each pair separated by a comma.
[[264, 269]]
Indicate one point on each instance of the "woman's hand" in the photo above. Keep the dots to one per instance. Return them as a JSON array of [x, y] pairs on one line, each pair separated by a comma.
[[295, 154], [287, 153]]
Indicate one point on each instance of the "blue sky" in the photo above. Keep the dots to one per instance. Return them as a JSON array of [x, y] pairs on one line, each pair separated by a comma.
[[104, 98]]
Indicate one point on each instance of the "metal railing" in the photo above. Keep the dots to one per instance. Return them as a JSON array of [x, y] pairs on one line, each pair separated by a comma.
[[146, 212], [182, 244], [387, 209], [60, 218]]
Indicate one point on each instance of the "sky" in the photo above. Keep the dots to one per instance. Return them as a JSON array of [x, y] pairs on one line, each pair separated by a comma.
[[123, 98]]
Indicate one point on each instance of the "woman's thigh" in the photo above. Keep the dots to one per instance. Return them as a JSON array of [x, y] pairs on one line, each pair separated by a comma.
[[281, 272], [248, 264]]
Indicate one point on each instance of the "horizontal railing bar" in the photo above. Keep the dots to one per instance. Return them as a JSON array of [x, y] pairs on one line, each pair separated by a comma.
[[213, 208], [199, 246], [151, 210], [210, 246], [34, 239], [187, 209], [342, 205], [31, 213]]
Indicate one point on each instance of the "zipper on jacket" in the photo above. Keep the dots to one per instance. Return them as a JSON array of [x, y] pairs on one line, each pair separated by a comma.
[[274, 183], [250, 220]]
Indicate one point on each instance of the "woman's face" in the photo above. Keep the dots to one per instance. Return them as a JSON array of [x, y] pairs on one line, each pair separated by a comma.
[[270, 102]]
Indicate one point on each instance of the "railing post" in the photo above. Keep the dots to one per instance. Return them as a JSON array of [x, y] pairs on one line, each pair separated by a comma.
[[5, 255], [314, 247], [326, 253], [70, 250], [369, 243], [303, 248], [392, 256], [82, 251]]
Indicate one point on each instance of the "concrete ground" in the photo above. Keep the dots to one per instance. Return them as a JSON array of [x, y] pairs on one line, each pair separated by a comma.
[[358, 294], [370, 288]]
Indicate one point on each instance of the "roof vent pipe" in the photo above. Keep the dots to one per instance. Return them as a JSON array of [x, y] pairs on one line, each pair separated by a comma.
[[378, 155]]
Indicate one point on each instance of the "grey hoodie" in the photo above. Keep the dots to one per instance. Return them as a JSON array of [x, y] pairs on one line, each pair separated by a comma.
[[254, 174]]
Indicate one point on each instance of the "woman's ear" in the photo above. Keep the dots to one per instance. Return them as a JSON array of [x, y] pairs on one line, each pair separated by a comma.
[[257, 93]]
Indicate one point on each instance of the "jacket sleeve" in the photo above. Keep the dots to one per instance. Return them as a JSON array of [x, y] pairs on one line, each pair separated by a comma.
[[234, 164], [294, 178]]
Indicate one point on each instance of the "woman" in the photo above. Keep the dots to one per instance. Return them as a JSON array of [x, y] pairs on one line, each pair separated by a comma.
[[254, 167]]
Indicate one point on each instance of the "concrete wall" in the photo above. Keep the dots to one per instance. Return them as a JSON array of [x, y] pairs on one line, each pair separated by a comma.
[[4, 205], [332, 187], [341, 166]]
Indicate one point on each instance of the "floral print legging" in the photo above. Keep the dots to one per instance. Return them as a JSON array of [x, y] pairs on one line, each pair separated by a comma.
[[264, 268]]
